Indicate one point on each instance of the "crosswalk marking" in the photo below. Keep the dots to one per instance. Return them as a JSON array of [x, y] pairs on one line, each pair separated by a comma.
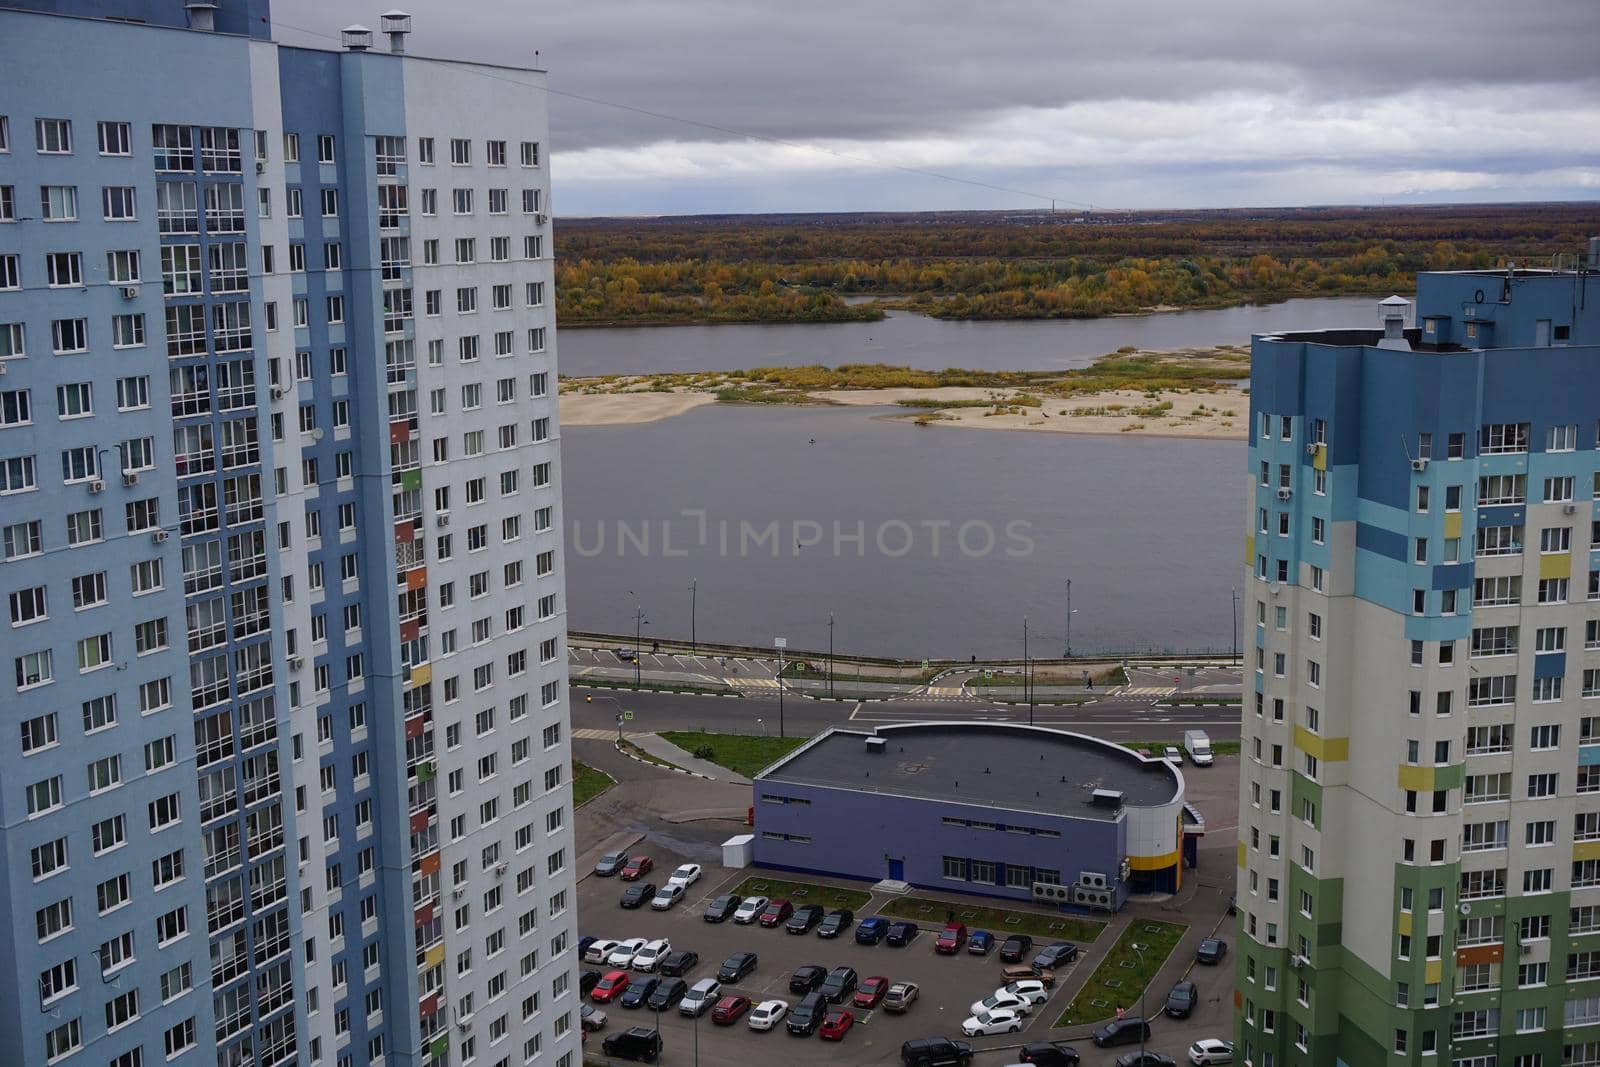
[[946, 690], [755, 683], [1146, 691], [593, 735]]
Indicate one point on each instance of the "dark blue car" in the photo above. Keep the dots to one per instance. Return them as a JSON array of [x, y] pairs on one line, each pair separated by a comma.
[[871, 931], [979, 942]]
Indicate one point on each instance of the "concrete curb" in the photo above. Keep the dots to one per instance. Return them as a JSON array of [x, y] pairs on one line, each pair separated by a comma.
[[663, 767], [651, 689]]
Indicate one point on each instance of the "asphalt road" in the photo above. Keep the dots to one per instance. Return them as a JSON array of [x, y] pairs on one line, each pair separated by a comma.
[[1113, 717]]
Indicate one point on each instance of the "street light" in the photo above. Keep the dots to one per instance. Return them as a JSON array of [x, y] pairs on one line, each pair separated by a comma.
[[589, 699], [1144, 1019], [694, 594], [780, 643], [830, 653], [1027, 670], [1235, 626]]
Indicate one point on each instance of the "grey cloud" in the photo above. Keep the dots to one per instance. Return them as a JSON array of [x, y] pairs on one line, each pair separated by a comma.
[[872, 69]]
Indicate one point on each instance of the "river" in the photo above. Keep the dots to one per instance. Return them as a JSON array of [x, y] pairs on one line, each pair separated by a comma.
[[908, 339], [921, 541]]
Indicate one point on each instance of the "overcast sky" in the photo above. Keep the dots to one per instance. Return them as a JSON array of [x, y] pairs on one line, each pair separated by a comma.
[[1115, 103]]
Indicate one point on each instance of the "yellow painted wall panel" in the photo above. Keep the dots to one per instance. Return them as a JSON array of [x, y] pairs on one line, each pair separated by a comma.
[[1555, 565], [1452, 524], [1417, 778]]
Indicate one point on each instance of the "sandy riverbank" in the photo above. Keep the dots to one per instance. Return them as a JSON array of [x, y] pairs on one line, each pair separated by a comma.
[[1218, 416], [618, 409]]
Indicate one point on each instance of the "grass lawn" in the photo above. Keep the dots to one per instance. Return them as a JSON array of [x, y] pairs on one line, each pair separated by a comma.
[[634, 750], [802, 892], [1218, 748], [998, 921], [1122, 974], [588, 783], [739, 753]]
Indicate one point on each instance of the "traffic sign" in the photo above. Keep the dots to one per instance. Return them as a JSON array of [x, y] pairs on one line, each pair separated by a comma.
[[627, 716]]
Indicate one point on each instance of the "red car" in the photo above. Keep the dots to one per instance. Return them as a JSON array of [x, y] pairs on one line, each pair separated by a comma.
[[728, 1010], [610, 987], [777, 912], [637, 868], [870, 991], [951, 938], [836, 1024]]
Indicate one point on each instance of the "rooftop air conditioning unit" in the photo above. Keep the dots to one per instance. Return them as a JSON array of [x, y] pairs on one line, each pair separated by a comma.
[[159, 536], [1285, 494], [130, 477], [97, 486], [130, 292], [1419, 464]]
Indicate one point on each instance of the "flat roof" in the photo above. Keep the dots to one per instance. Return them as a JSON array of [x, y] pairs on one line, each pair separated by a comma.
[[998, 765]]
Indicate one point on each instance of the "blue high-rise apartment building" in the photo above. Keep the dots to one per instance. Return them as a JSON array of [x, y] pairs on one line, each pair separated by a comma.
[[284, 770], [1419, 833]]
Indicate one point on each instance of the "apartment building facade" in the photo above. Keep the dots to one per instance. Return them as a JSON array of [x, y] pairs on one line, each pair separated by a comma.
[[1419, 853], [282, 556]]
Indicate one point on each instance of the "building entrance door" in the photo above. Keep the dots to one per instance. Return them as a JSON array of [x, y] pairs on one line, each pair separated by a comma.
[[897, 870]]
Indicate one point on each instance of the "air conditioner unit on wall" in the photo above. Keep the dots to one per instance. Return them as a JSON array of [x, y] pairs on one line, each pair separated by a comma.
[[130, 477], [97, 486], [1311, 449], [1285, 493], [1419, 464]]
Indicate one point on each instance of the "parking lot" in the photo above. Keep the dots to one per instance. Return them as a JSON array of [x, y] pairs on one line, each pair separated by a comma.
[[949, 984]]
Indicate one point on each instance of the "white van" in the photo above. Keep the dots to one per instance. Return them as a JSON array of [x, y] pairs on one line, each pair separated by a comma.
[[1198, 745]]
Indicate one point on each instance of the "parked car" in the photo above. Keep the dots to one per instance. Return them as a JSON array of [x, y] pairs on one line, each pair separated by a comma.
[[737, 966], [636, 868], [807, 1015], [587, 981], [776, 912], [1030, 989], [901, 933], [1048, 1054], [636, 894], [951, 939], [1019, 972], [678, 963], [1210, 1050], [729, 1008], [836, 1024], [999, 1021], [634, 1043], [610, 987], [668, 993], [1001, 1000], [1172, 755], [698, 1000], [583, 945], [598, 950], [870, 991], [900, 997], [871, 931], [804, 918], [935, 1052], [1211, 951], [839, 984], [836, 922], [626, 655], [1015, 948], [749, 910], [666, 897], [649, 958], [1052, 957], [639, 991], [723, 908], [806, 978], [622, 955], [1146, 1058], [591, 1018], [768, 1013], [685, 876], [1182, 999], [1121, 1032], [979, 942], [610, 864]]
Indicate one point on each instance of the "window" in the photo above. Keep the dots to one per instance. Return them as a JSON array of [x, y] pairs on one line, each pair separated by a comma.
[[53, 136], [326, 149]]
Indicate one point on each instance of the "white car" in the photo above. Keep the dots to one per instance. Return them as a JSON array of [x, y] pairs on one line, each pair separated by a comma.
[[1210, 1050], [599, 950], [984, 1023], [622, 955], [1002, 1000], [649, 958], [685, 876], [666, 897], [1172, 755], [1030, 989], [767, 1014], [700, 997], [750, 910]]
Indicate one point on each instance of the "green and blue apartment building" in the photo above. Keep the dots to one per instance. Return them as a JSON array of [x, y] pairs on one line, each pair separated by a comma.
[[283, 769], [1419, 842]]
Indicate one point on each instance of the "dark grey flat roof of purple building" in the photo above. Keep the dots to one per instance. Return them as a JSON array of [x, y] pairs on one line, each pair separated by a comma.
[[1001, 765]]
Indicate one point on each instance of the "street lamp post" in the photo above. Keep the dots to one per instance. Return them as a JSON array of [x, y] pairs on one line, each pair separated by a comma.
[[1027, 670], [1069, 619], [639, 623], [780, 643], [1235, 626], [621, 715], [1144, 1020], [694, 595], [830, 653]]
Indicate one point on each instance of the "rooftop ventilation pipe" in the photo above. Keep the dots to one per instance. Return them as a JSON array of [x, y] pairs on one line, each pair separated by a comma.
[[1392, 313], [202, 15], [356, 38], [397, 24]]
